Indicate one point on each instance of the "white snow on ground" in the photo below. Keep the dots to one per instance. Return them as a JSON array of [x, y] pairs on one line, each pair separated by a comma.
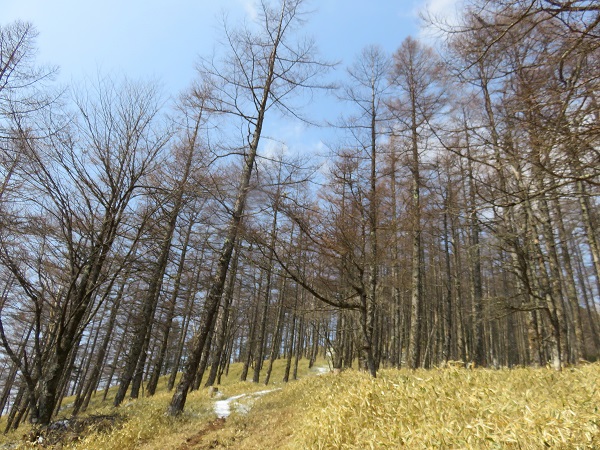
[[222, 408]]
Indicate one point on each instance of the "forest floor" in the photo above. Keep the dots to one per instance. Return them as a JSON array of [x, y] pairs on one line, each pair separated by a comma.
[[522, 408]]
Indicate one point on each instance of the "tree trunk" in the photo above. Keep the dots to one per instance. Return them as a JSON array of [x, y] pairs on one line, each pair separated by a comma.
[[260, 343], [414, 344], [276, 342], [253, 323], [141, 339], [153, 382], [292, 339], [142, 335], [189, 301], [222, 329], [475, 266], [448, 313]]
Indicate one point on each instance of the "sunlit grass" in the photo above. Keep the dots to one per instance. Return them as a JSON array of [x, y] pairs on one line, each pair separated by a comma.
[[447, 408], [453, 408], [145, 424]]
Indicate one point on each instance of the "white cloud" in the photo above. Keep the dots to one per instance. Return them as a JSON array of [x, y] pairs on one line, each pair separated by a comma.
[[250, 8], [271, 148], [443, 8], [446, 12]]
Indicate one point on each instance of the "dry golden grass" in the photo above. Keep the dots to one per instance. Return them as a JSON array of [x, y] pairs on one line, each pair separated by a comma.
[[454, 408], [145, 424], [439, 409], [451, 408]]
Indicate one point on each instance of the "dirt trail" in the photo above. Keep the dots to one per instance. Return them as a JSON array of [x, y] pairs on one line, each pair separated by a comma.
[[193, 441], [223, 409]]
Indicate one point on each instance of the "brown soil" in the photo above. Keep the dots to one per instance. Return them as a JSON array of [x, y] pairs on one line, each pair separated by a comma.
[[195, 441]]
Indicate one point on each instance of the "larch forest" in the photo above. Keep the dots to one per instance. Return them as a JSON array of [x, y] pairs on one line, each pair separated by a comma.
[[455, 217]]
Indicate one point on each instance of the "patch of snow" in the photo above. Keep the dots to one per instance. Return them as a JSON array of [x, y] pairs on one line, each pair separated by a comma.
[[222, 408]]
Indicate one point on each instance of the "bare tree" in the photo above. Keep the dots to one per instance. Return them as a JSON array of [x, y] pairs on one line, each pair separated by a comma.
[[186, 152], [262, 69], [77, 186], [366, 92], [418, 75]]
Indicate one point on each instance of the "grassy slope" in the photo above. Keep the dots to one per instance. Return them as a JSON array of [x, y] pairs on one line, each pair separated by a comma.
[[446, 408], [450, 408], [146, 426]]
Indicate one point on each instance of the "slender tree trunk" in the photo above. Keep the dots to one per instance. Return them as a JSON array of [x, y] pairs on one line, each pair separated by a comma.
[[214, 296], [338, 346], [251, 345], [117, 356], [396, 334], [260, 344], [577, 341], [299, 347], [475, 266], [224, 368], [449, 312], [205, 356], [292, 339], [222, 330], [153, 382], [369, 302], [414, 344], [276, 342], [551, 258], [19, 405], [189, 301]]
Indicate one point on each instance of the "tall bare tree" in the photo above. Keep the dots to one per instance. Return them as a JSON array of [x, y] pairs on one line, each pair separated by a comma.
[[418, 76], [77, 185], [262, 69]]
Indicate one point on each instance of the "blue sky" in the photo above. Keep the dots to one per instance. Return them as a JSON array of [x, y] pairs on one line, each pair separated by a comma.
[[162, 39]]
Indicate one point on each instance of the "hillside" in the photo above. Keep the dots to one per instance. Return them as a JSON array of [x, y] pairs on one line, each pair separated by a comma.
[[444, 408]]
